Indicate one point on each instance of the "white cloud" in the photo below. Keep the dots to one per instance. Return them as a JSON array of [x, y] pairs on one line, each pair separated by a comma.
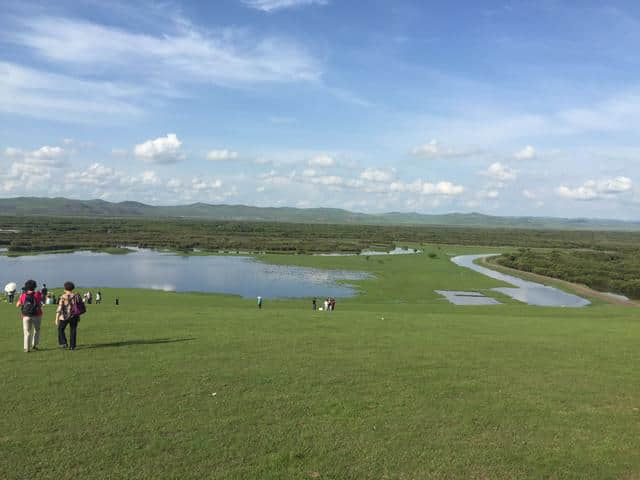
[[180, 54], [594, 189], [174, 183], [12, 152], [199, 185], [96, 175], [427, 188], [376, 175], [273, 5], [434, 148], [309, 172], [500, 172], [219, 155], [274, 178], [428, 149], [43, 157], [526, 153], [529, 194], [327, 180], [150, 178], [34, 93], [442, 188], [160, 150], [412, 187], [322, 161]]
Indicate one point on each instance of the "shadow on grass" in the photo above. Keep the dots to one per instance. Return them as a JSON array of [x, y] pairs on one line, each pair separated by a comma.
[[128, 343]]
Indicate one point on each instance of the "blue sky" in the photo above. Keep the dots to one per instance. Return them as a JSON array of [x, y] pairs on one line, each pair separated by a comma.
[[501, 107]]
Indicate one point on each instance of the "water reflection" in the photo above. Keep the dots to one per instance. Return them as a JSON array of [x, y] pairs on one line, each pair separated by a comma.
[[395, 251], [467, 298], [164, 271], [531, 293]]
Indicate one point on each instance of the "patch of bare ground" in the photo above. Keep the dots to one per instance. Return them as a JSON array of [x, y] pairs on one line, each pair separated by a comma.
[[574, 287]]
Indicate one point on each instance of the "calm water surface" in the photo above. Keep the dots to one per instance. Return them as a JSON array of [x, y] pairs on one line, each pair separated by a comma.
[[163, 271], [528, 292], [467, 298]]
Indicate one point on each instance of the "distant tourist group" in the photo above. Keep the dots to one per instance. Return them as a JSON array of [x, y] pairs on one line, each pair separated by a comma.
[[329, 304], [70, 307]]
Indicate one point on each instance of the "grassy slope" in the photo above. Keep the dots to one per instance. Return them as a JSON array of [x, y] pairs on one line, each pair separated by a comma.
[[431, 391]]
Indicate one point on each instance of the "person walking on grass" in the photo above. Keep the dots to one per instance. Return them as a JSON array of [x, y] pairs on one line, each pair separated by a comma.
[[30, 304], [70, 307]]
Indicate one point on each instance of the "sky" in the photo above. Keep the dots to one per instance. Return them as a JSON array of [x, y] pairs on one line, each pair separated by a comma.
[[505, 107]]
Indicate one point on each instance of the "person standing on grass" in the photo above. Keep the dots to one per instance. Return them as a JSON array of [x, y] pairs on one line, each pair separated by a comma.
[[30, 304], [259, 302], [314, 305], [70, 307], [44, 291], [98, 298]]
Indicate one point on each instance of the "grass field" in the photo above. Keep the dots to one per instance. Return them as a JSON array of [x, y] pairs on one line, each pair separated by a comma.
[[394, 384]]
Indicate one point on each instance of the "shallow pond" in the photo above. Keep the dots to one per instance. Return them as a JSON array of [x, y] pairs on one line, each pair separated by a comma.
[[395, 251], [525, 291], [467, 298], [163, 271]]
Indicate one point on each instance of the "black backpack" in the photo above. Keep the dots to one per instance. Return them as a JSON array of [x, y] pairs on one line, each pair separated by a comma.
[[30, 306]]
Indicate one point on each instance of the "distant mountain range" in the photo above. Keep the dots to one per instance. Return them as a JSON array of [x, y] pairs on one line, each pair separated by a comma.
[[101, 208]]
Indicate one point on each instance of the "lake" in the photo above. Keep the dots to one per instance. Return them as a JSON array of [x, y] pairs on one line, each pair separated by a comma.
[[242, 276], [528, 292]]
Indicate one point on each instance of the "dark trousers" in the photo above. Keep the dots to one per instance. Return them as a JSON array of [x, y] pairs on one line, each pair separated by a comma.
[[73, 326]]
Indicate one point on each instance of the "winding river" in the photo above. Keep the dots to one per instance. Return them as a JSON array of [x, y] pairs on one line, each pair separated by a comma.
[[523, 290]]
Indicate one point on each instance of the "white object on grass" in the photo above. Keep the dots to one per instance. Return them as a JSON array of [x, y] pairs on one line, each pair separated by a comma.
[[10, 287]]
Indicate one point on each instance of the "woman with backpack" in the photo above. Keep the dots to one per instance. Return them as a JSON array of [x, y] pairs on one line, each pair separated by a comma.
[[70, 307], [30, 304]]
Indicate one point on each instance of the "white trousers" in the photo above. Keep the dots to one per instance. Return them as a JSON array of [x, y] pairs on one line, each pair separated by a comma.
[[31, 329]]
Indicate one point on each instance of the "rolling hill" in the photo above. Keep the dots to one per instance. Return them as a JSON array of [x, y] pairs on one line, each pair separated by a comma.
[[68, 207]]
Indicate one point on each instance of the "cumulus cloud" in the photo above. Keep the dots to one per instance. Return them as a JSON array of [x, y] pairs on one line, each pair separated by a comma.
[[273, 5], [376, 175], [442, 188], [160, 150], [427, 188], [526, 153], [594, 189], [322, 161], [435, 149], [500, 172], [43, 157], [219, 155], [199, 185]]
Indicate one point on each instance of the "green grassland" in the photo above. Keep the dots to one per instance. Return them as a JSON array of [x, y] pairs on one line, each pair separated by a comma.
[[394, 384]]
